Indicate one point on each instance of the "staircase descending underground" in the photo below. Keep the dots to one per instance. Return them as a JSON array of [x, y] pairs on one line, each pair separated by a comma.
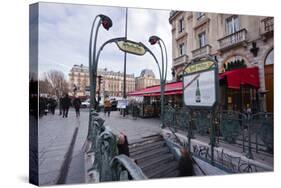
[[154, 157]]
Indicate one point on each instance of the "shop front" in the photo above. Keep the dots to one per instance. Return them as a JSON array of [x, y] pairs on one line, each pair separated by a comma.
[[238, 92], [149, 106], [239, 89]]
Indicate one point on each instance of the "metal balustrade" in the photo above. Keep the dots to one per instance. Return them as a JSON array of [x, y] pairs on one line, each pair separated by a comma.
[[247, 131], [108, 165]]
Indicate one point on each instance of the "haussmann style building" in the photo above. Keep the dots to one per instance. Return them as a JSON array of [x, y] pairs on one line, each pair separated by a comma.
[[146, 79], [111, 83], [243, 46]]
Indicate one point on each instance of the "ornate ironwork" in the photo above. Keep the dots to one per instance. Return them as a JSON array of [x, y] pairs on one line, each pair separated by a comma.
[[107, 164], [263, 124], [231, 125], [124, 168], [106, 151], [202, 122], [168, 119], [182, 119], [95, 129]]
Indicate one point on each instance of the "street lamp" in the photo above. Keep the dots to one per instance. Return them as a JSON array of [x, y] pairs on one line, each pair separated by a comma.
[[106, 22], [163, 71]]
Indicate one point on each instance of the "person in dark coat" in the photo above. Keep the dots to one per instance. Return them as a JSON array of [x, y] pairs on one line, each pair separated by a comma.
[[66, 103], [42, 106], [76, 105], [52, 105], [185, 164]]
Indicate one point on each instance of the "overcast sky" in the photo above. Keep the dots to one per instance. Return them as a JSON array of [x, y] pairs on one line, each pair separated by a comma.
[[64, 31]]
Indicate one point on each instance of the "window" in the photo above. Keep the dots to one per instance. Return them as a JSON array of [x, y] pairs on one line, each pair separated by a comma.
[[232, 25], [269, 58], [202, 39], [181, 49], [181, 25], [200, 15]]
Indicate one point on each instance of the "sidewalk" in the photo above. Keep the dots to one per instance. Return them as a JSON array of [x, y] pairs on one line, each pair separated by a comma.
[[55, 135], [134, 129]]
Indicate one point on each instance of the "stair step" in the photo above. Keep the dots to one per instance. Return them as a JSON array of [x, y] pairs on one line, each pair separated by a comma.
[[162, 170], [150, 154], [174, 173], [143, 148], [144, 141], [154, 162]]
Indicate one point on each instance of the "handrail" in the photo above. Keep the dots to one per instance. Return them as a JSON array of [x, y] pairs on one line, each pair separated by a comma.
[[130, 166], [106, 159]]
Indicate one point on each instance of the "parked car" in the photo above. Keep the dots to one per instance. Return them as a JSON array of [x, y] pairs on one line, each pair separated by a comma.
[[85, 104]]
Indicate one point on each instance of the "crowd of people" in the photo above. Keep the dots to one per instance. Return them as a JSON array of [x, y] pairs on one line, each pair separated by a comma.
[[49, 104]]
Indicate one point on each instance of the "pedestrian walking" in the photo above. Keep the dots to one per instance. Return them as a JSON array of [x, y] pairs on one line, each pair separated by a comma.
[[107, 107], [77, 104], [66, 103], [52, 103]]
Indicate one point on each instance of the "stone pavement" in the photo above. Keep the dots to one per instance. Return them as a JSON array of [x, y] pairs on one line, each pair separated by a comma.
[[55, 135], [134, 129]]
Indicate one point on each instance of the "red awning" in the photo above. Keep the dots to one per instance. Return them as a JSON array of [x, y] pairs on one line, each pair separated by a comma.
[[234, 78], [170, 89], [244, 76]]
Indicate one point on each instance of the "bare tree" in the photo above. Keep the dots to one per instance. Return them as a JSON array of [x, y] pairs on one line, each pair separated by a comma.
[[56, 83], [45, 86]]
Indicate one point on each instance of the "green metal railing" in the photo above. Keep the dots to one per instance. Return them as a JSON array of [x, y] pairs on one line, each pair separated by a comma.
[[107, 163], [230, 127]]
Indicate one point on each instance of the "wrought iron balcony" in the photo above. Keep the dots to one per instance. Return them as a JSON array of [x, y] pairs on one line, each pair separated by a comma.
[[234, 39], [200, 52], [180, 60], [267, 26]]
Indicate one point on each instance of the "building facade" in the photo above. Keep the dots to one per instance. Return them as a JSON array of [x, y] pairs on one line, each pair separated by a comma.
[[232, 39], [146, 79], [78, 80], [111, 82]]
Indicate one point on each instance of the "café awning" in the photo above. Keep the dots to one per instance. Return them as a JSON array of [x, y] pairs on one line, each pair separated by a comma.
[[244, 76], [170, 89], [234, 78]]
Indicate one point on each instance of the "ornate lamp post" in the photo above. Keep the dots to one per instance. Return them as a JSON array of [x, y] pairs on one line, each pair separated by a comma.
[[162, 71], [106, 22]]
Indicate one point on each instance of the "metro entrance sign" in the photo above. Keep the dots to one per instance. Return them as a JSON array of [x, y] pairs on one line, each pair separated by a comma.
[[200, 84], [131, 47]]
